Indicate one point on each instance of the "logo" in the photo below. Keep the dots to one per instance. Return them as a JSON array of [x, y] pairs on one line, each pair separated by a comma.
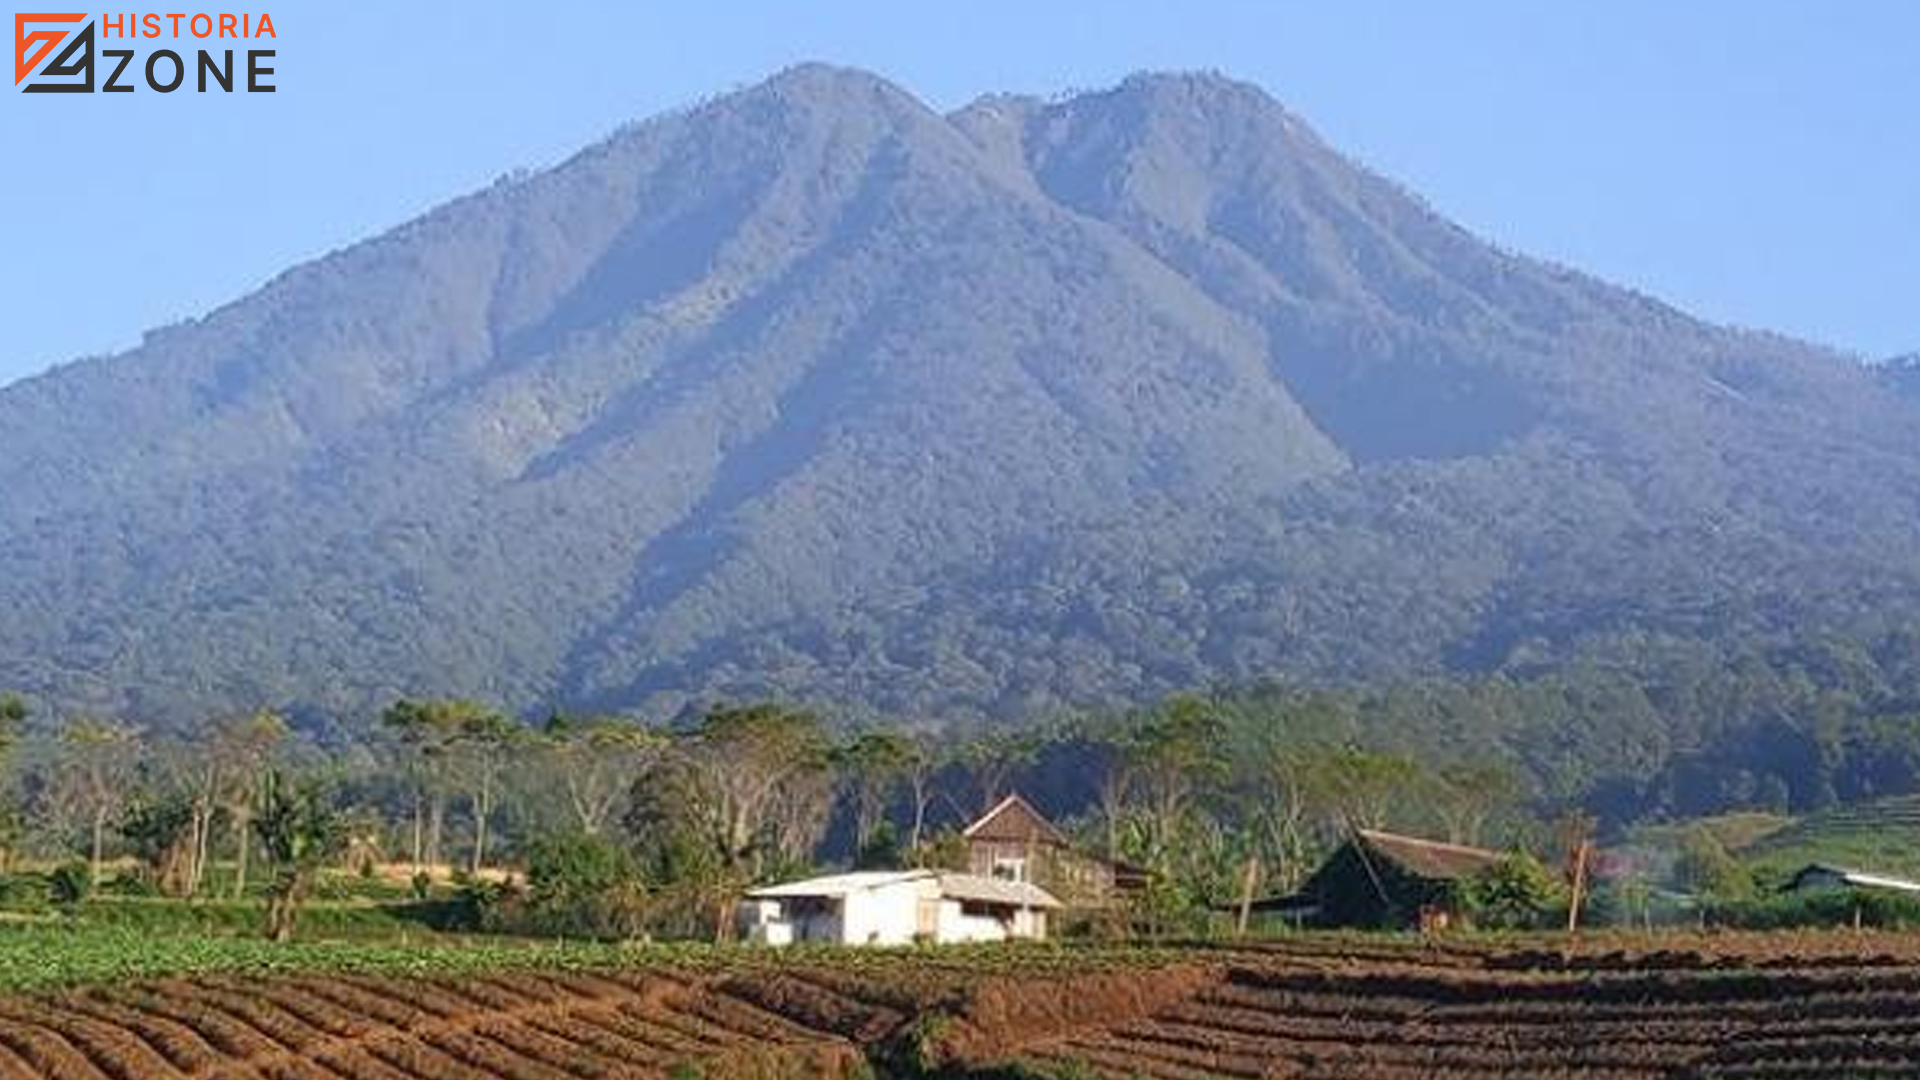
[[72, 69]]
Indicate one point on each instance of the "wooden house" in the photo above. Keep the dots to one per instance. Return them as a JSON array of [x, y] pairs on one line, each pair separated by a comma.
[[1015, 842]]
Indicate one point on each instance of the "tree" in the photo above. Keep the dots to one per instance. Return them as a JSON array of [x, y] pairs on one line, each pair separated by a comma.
[[1468, 793], [13, 717], [1114, 794], [994, 758], [596, 761], [96, 760], [1284, 779], [1515, 893], [1363, 784], [923, 763], [160, 831], [670, 832], [239, 751], [482, 739], [1174, 756], [1704, 866], [873, 764], [427, 731], [299, 830], [752, 779], [581, 885]]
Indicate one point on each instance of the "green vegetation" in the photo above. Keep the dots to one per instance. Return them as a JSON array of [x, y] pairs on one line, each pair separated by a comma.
[[994, 434], [1516, 893], [1705, 867], [37, 956], [607, 828], [1818, 908], [1585, 554], [1882, 836]]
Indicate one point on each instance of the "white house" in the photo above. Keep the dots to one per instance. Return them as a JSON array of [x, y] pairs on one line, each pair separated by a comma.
[[898, 908]]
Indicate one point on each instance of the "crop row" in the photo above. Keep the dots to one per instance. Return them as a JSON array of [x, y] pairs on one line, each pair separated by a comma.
[[1274, 1018], [510, 1026]]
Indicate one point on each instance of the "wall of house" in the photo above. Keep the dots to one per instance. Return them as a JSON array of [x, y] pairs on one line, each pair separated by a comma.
[[1070, 876], [888, 916], [957, 926], [896, 915], [1029, 924]]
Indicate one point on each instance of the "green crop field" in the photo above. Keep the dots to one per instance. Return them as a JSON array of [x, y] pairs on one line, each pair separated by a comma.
[[37, 956], [1879, 837]]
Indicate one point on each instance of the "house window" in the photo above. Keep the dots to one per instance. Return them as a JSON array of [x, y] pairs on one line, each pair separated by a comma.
[[1010, 869]]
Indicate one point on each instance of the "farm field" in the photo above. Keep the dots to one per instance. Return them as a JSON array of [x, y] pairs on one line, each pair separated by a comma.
[[1880, 836], [1748, 1006]]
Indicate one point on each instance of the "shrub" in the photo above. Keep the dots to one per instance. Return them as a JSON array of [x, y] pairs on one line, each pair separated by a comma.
[[25, 892], [1705, 867], [1821, 908], [69, 883], [1515, 893], [567, 865], [578, 885]]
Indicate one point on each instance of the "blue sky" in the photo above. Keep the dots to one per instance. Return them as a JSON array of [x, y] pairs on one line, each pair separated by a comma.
[[1755, 161]]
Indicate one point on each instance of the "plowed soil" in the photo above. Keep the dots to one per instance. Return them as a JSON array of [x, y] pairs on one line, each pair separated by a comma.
[[1826, 1007]]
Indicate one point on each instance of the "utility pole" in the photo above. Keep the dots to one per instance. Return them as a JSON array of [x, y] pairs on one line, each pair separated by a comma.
[[1582, 853], [1246, 895], [1577, 835]]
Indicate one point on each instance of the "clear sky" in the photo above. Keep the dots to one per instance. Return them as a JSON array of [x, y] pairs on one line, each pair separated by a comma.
[[1754, 161]]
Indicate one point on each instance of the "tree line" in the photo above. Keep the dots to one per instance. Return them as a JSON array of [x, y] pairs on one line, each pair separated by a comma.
[[666, 822]]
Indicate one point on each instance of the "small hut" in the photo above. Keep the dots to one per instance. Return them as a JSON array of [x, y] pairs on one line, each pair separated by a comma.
[[1379, 880], [1821, 877]]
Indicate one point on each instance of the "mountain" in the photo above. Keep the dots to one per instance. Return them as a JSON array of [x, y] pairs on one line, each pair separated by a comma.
[[1903, 373], [814, 391]]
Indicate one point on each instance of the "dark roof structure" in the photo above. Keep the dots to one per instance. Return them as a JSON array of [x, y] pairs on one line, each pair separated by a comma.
[[1381, 879], [1823, 875], [1429, 859]]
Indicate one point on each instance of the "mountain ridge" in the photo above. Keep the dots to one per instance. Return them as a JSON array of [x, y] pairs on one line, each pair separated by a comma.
[[813, 390]]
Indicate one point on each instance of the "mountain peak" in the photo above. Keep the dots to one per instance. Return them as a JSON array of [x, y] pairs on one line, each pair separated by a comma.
[[813, 392], [826, 84], [1197, 84], [1903, 373]]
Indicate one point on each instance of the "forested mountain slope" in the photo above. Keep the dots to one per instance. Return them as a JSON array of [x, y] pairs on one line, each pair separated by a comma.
[[814, 391]]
